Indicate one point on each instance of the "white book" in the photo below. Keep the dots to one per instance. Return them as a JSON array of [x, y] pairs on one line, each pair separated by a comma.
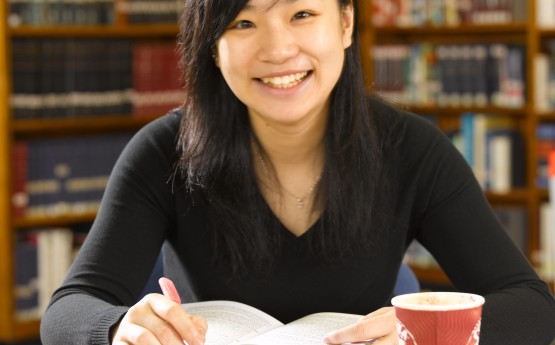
[[62, 254], [499, 174], [546, 255], [541, 82], [236, 323], [545, 13], [44, 247]]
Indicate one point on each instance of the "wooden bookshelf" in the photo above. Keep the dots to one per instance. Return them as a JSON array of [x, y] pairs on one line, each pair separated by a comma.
[[527, 117], [12, 329], [130, 31]]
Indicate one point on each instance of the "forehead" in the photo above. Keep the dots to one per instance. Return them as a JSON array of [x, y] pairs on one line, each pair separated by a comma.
[[265, 5]]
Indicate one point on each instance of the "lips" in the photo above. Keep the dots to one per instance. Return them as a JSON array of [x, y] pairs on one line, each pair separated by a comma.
[[286, 81]]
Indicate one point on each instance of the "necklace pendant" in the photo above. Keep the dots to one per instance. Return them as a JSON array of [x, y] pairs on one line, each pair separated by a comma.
[[300, 203]]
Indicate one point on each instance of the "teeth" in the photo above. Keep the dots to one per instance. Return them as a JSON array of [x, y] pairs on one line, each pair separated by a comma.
[[285, 81]]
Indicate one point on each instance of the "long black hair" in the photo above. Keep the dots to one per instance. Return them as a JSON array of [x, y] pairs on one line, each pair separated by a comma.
[[215, 158]]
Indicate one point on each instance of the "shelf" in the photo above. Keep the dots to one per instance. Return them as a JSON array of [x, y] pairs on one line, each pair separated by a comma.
[[456, 111], [546, 32], [24, 330], [514, 196], [546, 115], [40, 126], [496, 29], [95, 31], [65, 220]]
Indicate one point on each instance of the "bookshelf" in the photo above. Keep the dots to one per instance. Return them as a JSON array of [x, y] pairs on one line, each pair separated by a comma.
[[528, 118], [13, 329]]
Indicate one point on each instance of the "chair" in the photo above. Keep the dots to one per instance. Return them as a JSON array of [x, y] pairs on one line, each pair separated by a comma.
[[407, 282]]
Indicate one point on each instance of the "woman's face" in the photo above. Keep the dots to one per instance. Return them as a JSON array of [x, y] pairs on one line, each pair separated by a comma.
[[282, 58]]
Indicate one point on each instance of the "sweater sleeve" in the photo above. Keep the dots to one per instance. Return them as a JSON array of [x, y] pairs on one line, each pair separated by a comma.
[[121, 248], [461, 231]]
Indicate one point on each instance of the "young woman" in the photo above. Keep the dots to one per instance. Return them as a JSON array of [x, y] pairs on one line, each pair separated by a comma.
[[282, 185]]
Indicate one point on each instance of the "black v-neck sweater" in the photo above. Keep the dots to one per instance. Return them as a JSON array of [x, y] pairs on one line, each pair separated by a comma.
[[436, 200]]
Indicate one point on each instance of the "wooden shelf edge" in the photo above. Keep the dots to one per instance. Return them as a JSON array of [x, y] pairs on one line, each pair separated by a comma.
[[516, 195], [62, 220], [22, 330], [456, 111], [154, 30], [509, 28], [80, 123]]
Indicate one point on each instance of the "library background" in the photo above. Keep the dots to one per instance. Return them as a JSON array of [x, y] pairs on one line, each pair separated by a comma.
[[79, 77]]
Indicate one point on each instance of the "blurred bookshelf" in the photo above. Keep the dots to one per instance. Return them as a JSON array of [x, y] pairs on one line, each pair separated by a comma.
[[435, 58], [75, 81]]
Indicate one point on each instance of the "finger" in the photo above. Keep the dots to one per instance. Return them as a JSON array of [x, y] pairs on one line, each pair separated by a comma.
[[173, 314], [375, 327], [141, 315], [137, 335], [201, 323]]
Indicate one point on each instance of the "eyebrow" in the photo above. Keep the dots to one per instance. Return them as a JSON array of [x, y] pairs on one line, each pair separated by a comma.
[[249, 6]]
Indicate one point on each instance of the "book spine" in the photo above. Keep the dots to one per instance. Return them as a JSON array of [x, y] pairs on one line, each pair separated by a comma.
[[26, 287], [20, 199]]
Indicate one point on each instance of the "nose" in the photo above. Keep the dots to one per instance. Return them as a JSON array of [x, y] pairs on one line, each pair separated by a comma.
[[277, 45]]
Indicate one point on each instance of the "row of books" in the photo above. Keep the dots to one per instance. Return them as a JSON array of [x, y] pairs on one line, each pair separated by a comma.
[[544, 77], [151, 11], [458, 75], [42, 259], [92, 12], [512, 218], [60, 12], [415, 13], [88, 77], [494, 148], [60, 176]]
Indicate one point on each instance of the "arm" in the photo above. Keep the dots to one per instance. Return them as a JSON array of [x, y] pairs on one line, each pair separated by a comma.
[[455, 223], [117, 257]]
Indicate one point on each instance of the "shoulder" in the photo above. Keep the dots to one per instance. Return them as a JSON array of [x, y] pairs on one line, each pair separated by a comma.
[[401, 127], [162, 126], [155, 143]]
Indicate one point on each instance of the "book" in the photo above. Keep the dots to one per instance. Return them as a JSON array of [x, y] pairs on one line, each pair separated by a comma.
[[59, 176], [155, 78], [55, 255], [26, 288], [237, 323], [545, 258]]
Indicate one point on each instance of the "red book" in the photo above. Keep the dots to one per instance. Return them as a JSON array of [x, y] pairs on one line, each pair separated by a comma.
[[20, 199]]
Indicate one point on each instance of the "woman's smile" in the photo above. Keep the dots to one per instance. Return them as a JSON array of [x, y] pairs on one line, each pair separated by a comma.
[[285, 81]]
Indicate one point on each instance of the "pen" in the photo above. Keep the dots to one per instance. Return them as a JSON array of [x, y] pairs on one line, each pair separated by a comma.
[[168, 289]]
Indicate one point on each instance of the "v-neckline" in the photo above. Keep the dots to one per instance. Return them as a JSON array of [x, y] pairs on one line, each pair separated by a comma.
[[282, 226]]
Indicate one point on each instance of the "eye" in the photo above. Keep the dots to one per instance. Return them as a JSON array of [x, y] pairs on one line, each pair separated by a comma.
[[302, 15], [242, 24]]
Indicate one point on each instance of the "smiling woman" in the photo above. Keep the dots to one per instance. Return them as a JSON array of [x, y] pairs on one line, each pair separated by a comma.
[[281, 184]]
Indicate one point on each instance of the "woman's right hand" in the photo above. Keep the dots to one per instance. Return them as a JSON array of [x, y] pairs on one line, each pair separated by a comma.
[[156, 320]]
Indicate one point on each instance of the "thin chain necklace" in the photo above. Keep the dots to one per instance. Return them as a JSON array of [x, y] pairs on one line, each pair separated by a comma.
[[306, 195]]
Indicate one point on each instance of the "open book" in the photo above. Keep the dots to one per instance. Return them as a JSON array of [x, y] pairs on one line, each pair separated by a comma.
[[236, 323]]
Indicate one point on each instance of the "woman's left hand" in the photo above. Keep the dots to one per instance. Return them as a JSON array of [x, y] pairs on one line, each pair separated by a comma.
[[377, 325]]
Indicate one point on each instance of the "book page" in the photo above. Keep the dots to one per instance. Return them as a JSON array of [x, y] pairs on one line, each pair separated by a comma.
[[231, 322], [309, 330]]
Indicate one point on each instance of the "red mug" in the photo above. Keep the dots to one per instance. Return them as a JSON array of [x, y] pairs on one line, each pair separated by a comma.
[[438, 318]]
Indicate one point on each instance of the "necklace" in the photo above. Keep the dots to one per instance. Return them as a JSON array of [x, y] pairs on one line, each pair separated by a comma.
[[306, 195]]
